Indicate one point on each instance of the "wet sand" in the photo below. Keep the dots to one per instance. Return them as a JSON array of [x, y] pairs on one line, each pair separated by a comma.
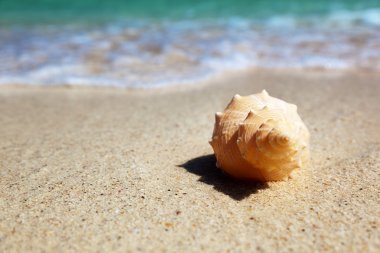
[[115, 170]]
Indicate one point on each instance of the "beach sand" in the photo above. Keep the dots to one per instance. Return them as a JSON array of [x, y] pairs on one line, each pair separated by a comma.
[[117, 170]]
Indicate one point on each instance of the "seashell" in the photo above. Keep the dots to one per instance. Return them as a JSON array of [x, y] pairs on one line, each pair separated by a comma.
[[259, 137]]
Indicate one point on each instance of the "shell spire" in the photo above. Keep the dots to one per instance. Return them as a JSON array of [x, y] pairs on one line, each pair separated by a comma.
[[259, 137]]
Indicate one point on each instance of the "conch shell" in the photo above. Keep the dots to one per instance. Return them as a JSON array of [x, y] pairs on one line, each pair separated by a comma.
[[259, 137]]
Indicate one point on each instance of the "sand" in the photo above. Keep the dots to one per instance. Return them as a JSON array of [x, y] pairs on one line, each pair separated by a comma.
[[116, 170]]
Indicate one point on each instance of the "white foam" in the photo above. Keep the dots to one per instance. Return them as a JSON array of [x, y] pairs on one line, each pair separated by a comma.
[[146, 54]]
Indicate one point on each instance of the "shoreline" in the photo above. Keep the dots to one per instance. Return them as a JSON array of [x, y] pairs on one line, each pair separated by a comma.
[[85, 168], [214, 79]]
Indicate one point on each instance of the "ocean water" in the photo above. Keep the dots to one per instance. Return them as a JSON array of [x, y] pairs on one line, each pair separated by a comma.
[[162, 42]]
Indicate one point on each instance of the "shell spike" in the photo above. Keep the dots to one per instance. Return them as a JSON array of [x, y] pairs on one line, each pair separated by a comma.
[[237, 96], [264, 93], [218, 117], [251, 115], [213, 144]]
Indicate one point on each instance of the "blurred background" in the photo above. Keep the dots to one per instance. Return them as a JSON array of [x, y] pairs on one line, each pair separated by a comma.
[[152, 43]]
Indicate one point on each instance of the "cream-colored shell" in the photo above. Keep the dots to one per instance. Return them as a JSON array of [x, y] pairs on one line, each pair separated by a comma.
[[259, 137]]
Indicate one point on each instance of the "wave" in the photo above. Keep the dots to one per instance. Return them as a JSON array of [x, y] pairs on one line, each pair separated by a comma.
[[147, 53]]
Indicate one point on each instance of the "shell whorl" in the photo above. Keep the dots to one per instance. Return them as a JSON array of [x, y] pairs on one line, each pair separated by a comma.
[[260, 137]]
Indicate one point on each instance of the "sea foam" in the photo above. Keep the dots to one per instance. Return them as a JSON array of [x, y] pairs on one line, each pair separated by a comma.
[[151, 53]]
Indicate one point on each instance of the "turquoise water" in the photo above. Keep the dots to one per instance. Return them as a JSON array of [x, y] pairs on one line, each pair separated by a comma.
[[151, 43], [38, 11]]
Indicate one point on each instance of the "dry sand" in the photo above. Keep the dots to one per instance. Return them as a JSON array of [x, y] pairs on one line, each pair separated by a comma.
[[108, 170]]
